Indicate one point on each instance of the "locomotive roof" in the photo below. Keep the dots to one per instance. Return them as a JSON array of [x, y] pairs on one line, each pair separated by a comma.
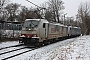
[[77, 27], [73, 27], [34, 19], [43, 20], [58, 24]]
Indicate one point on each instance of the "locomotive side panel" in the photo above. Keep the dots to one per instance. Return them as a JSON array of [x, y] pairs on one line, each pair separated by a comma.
[[79, 31], [60, 31], [57, 31], [41, 31], [74, 31], [65, 31], [52, 31]]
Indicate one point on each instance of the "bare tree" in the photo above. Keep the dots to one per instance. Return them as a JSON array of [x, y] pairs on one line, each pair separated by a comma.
[[13, 11], [3, 3], [23, 13], [56, 6], [32, 13], [84, 15]]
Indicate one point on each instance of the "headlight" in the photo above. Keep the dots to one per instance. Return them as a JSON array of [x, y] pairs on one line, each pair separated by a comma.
[[29, 29], [34, 35], [23, 35]]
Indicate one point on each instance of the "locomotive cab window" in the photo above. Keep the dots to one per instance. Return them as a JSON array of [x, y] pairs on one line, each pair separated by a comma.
[[31, 24], [43, 25]]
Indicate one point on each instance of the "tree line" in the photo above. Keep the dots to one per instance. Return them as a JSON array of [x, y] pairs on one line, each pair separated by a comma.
[[11, 11], [84, 17], [52, 10]]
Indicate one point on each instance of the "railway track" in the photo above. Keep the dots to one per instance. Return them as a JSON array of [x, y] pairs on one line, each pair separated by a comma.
[[18, 54], [12, 50], [18, 50], [11, 46]]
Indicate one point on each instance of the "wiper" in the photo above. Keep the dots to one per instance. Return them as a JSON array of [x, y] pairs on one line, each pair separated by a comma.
[[32, 23], [30, 26]]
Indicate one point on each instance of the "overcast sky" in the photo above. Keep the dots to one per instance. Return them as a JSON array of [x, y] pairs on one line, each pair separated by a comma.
[[71, 6]]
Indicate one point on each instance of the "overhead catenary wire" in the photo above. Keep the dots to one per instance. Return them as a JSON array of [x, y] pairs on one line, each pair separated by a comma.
[[40, 8], [36, 5], [33, 3]]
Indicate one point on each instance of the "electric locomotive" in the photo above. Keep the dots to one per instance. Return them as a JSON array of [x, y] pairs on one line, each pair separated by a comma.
[[40, 31], [33, 31]]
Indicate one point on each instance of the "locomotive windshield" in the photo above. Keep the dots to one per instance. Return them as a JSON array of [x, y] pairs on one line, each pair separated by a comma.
[[30, 24]]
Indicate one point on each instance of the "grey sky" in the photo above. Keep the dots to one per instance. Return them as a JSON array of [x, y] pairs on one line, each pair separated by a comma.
[[71, 6]]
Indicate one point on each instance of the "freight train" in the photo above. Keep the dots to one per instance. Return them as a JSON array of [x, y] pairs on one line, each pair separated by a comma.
[[41, 31]]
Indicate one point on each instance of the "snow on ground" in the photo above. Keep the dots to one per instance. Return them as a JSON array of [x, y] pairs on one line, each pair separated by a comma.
[[77, 50], [70, 49], [9, 43]]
